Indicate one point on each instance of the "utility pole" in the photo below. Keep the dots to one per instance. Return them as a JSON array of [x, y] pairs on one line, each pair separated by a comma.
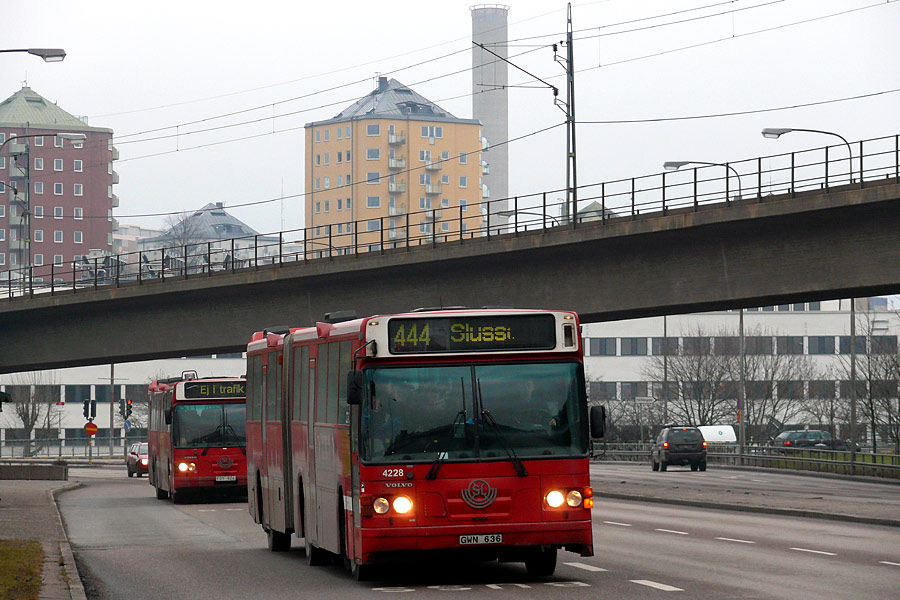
[[742, 394], [852, 386], [571, 163], [112, 404]]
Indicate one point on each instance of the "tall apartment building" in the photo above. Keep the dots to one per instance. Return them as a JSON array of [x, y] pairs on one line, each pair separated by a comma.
[[391, 162], [59, 190]]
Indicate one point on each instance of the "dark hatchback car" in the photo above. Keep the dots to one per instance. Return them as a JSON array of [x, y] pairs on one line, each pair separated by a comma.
[[137, 459], [679, 446], [808, 438]]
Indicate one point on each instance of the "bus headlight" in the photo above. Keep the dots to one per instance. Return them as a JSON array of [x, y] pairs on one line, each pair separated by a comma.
[[184, 467], [402, 504], [381, 505], [555, 499], [573, 498]]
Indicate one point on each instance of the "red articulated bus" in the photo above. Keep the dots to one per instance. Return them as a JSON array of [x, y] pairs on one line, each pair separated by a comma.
[[441, 430], [197, 436]]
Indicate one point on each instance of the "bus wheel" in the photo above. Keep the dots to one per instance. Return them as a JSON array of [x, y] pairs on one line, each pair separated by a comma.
[[315, 556], [278, 541], [161, 494], [542, 562]]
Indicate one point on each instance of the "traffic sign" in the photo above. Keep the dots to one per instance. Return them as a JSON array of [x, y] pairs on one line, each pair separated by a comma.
[[90, 429], [127, 425]]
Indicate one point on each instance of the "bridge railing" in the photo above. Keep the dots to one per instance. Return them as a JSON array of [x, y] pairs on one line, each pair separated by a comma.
[[798, 459], [699, 188]]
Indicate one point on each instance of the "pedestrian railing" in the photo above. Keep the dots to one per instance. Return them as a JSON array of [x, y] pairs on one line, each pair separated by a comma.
[[596, 204], [70, 448]]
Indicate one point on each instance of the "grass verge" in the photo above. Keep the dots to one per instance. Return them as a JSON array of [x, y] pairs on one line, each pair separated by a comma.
[[20, 569]]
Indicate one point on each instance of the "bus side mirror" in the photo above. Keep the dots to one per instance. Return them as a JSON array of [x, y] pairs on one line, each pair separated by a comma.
[[354, 387], [168, 415], [598, 421]]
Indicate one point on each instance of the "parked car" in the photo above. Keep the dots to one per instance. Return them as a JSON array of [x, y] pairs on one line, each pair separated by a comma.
[[136, 460], [808, 438], [678, 446]]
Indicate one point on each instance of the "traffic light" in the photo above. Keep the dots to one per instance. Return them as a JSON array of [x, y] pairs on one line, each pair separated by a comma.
[[87, 409], [122, 407], [128, 409], [93, 408]]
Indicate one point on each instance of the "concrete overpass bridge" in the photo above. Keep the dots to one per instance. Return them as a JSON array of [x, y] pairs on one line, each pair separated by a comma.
[[661, 244]]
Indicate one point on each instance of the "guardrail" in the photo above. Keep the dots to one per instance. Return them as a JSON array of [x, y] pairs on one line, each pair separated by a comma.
[[70, 448], [702, 187], [802, 459]]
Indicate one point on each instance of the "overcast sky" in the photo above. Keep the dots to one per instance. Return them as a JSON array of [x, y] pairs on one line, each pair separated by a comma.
[[141, 66]]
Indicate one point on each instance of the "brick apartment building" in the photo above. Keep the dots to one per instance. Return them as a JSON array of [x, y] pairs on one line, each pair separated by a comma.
[[57, 187]]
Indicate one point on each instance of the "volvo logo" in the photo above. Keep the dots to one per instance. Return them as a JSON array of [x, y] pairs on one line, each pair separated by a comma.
[[225, 461], [479, 494]]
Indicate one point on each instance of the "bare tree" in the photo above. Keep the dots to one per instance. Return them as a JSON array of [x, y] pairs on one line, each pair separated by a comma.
[[701, 378], [184, 244], [877, 374], [33, 396], [825, 406]]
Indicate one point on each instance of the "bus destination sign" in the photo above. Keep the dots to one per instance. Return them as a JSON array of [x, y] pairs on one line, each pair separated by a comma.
[[472, 334], [214, 389]]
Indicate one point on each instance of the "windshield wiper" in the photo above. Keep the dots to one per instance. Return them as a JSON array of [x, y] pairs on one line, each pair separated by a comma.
[[489, 418], [436, 465], [236, 438]]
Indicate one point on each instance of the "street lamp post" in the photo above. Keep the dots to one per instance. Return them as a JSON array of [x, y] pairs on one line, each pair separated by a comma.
[[48, 54], [773, 133], [26, 201], [674, 165]]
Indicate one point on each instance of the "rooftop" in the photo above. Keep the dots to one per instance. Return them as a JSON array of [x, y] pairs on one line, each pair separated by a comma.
[[28, 108]]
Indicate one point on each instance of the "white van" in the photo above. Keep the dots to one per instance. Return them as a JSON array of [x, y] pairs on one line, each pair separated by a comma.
[[718, 434]]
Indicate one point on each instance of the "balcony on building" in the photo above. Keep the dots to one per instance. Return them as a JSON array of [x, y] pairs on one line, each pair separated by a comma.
[[397, 163], [396, 187], [115, 153], [433, 165], [485, 192], [17, 220], [434, 214], [433, 188], [17, 245], [394, 211], [397, 233], [485, 168], [115, 224], [397, 139], [115, 177], [115, 201]]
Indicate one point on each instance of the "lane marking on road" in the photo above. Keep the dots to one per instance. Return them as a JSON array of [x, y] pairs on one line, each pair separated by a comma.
[[734, 540], [887, 562], [659, 586], [672, 531], [206, 510], [235, 509], [814, 551], [578, 565], [617, 523], [760, 480]]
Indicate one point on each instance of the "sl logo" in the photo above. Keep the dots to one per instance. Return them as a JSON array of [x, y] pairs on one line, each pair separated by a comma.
[[479, 494], [225, 461]]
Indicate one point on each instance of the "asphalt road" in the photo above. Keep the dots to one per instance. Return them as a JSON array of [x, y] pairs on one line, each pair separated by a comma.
[[134, 547]]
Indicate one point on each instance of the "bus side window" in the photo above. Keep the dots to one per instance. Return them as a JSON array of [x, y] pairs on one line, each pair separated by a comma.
[[303, 374], [272, 388], [321, 384], [346, 367], [334, 377]]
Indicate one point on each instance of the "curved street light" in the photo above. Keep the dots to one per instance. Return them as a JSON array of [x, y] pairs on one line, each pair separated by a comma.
[[674, 165], [773, 133], [48, 54]]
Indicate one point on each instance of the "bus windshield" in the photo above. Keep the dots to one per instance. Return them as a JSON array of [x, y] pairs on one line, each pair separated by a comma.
[[462, 412], [206, 425]]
